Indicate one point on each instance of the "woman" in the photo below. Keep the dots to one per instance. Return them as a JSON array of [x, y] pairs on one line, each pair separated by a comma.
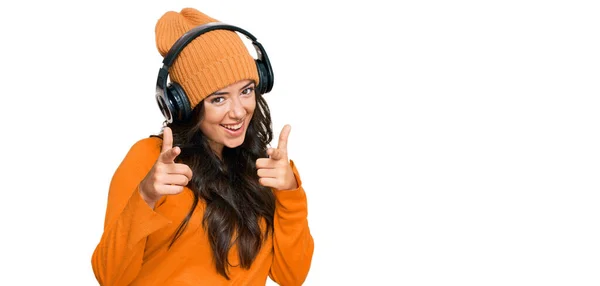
[[207, 202]]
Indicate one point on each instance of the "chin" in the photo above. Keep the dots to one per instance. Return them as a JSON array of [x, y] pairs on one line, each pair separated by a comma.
[[234, 143]]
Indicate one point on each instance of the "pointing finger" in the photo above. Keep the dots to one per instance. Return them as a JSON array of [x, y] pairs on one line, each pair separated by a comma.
[[170, 155], [278, 154]]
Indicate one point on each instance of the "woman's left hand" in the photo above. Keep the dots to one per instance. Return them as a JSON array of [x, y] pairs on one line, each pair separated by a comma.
[[275, 171]]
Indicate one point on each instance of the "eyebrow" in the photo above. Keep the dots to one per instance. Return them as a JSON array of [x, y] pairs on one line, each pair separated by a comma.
[[223, 92]]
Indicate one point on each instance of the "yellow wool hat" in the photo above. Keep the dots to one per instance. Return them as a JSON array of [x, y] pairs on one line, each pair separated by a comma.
[[210, 62]]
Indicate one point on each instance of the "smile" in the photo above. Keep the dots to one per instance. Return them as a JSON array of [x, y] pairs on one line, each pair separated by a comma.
[[233, 127]]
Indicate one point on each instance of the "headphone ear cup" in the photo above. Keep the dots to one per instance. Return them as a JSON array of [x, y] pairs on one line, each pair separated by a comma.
[[163, 105], [181, 110], [266, 78]]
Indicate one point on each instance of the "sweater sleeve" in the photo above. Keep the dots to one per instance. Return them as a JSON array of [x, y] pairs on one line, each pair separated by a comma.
[[128, 221], [292, 242]]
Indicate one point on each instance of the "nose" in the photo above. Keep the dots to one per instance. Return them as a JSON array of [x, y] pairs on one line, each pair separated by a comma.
[[237, 110]]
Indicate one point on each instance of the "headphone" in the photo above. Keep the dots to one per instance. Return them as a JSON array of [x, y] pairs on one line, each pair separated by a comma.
[[171, 98]]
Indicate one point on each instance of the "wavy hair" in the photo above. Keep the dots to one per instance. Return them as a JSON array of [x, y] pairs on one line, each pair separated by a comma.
[[236, 203]]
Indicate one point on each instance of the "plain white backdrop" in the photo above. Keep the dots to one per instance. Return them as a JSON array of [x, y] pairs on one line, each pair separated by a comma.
[[440, 142]]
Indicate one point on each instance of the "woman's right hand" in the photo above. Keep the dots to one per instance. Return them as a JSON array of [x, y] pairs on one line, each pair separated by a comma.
[[166, 177]]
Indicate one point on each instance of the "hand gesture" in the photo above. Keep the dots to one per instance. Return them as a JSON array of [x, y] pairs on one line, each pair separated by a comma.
[[166, 177], [275, 171]]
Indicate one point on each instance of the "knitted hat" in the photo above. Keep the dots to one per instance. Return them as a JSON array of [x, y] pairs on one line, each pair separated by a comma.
[[210, 62]]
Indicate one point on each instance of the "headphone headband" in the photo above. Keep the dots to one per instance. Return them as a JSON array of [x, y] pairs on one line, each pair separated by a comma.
[[173, 101], [195, 32]]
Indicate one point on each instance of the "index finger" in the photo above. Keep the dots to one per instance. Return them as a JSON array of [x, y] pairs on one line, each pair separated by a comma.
[[283, 137]]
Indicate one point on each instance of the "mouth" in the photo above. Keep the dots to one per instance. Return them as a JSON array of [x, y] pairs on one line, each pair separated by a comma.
[[233, 127]]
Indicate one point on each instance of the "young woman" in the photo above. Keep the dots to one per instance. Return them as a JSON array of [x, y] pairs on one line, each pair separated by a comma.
[[206, 202]]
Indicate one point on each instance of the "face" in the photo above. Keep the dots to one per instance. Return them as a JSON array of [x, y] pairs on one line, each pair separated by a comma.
[[227, 114]]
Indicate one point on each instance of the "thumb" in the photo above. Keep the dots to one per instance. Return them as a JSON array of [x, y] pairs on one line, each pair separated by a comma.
[[167, 142], [167, 152], [283, 137]]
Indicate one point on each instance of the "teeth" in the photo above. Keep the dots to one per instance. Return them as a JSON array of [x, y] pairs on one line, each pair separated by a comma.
[[233, 127]]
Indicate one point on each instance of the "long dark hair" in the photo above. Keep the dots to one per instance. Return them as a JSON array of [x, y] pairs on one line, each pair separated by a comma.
[[235, 202]]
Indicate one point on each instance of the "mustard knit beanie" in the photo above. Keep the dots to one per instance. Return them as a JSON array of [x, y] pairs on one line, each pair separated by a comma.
[[210, 62]]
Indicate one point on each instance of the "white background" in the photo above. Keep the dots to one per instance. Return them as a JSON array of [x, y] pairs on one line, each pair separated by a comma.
[[440, 142]]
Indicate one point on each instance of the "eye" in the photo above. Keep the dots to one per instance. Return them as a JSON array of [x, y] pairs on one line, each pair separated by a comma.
[[217, 99], [248, 91]]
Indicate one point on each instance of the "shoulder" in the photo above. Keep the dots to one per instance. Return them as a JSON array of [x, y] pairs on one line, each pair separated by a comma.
[[151, 144], [144, 151]]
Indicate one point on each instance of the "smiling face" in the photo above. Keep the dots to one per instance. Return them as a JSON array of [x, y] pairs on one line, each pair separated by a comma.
[[227, 114]]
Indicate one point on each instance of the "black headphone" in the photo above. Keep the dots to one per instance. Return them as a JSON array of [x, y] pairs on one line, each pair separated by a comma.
[[171, 98]]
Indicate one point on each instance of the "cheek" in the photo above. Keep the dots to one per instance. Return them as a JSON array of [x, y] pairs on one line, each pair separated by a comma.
[[210, 121], [250, 105]]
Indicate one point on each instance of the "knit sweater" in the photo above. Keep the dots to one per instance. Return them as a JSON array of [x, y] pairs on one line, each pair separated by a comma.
[[133, 249]]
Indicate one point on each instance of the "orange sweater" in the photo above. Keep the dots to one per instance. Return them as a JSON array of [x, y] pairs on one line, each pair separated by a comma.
[[133, 247]]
